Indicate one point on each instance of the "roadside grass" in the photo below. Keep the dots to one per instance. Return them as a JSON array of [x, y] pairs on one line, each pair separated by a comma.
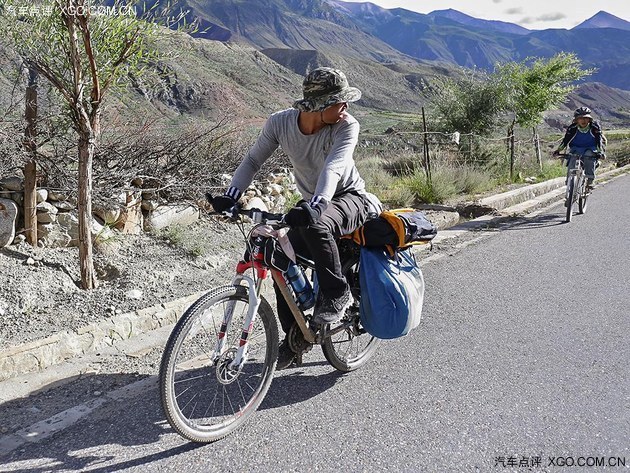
[[552, 169], [392, 164], [399, 179], [184, 238], [618, 148]]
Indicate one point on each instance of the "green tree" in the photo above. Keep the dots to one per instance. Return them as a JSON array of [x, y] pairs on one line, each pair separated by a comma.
[[470, 104], [84, 49], [536, 85]]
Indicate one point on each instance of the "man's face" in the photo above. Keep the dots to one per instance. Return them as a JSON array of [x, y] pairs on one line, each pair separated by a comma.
[[583, 121], [335, 113]]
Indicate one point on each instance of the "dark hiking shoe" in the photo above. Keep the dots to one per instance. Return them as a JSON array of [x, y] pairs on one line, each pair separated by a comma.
[[329, 311], [286, 356]]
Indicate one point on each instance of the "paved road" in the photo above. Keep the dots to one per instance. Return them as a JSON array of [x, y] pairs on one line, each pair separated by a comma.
[[521, 359]]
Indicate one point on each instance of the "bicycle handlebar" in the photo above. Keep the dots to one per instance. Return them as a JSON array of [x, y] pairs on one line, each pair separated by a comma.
[[260, 216], [597, 154], [257, 215]]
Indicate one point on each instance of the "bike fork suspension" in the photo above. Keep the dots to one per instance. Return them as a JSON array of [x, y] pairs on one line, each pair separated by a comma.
[[250, 318]]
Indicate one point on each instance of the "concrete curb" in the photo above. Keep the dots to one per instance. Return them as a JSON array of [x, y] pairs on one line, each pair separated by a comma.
[[522, 194], [39, 354]]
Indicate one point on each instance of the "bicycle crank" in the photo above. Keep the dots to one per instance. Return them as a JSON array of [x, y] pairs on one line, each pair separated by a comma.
[[298, 344]]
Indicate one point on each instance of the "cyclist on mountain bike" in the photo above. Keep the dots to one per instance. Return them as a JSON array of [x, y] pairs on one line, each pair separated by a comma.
[[584, 137], [319, 137]]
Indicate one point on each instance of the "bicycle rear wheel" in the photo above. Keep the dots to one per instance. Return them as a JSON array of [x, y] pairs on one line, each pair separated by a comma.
[[353, 347], [203, 398], [571, 189]]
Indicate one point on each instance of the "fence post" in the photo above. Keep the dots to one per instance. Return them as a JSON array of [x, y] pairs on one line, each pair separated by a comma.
[[511, 137], [427, 159], [537, 147]]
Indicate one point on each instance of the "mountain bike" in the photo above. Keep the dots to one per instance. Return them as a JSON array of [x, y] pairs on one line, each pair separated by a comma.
[[576, 191], [221, 356]]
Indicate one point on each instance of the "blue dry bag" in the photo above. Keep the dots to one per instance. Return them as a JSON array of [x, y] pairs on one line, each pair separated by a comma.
[[392, 292]]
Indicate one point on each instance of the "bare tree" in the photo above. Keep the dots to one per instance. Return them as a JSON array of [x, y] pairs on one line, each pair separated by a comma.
[[30, 168], [83, 49]]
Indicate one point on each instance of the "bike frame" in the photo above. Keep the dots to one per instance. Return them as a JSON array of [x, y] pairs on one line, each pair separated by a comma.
[[577, 171], [255, 285]]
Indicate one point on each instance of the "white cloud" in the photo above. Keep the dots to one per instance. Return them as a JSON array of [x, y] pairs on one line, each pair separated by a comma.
[[552, 17], [536, 14]]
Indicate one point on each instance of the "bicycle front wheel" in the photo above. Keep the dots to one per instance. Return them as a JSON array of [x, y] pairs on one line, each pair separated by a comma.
[[582, 200], [571, 190], [353, 347], [204, 398]]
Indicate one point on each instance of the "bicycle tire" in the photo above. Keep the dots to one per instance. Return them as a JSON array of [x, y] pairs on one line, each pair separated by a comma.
[[354, 336], [228, 397], [582, 200], [571, 184]]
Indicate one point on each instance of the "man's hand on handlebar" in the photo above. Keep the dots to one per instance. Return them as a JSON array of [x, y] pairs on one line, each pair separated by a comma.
[[223, 205]]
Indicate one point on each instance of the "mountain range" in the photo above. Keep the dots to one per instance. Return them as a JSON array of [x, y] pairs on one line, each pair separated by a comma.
[[367, 31]]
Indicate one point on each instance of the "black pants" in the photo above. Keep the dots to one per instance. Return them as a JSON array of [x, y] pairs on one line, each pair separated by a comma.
[[344, 214]]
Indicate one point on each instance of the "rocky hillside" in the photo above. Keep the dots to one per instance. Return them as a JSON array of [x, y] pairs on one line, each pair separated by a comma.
[[203, 78], [610, 106]]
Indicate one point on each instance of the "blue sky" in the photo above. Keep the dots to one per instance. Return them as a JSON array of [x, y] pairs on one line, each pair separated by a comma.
[[532, 14]]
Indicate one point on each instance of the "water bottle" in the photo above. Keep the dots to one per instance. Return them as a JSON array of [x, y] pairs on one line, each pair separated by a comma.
[[301, 287]]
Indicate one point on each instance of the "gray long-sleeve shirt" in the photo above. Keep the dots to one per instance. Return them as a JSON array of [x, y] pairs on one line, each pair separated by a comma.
[[323, 163]]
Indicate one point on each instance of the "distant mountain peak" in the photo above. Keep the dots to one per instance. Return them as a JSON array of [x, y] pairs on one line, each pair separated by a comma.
[[604, 19], [464, 19], [365, 8]]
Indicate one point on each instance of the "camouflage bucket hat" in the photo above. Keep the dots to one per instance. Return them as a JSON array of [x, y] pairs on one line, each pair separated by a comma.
[[323, 87]]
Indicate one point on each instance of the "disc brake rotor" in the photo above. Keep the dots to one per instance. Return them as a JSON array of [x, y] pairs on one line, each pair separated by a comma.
[[225, 374]]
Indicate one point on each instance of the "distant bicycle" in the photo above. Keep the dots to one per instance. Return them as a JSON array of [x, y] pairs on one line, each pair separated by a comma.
[[577, 191]]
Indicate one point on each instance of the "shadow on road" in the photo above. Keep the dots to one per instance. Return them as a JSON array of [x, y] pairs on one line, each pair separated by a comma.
[[541, 221], [295, 387], [138, 421]]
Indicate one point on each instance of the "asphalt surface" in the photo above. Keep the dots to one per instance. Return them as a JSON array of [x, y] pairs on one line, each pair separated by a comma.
[[519, 364]]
